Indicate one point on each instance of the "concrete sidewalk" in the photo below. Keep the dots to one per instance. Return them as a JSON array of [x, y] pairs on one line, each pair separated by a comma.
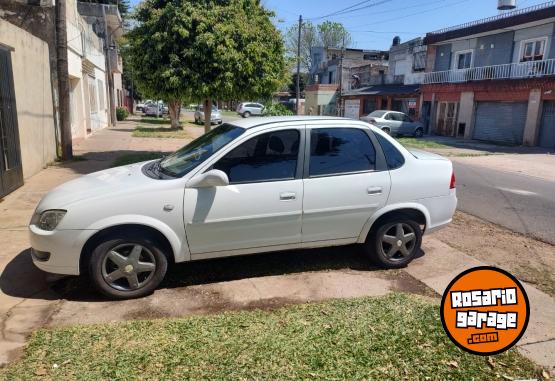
[[441, 264]]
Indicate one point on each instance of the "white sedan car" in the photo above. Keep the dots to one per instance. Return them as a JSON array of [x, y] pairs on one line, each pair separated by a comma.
[[257, 185]]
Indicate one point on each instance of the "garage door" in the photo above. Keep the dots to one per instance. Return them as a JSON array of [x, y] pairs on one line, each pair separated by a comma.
[[500, 122], [547, 131]]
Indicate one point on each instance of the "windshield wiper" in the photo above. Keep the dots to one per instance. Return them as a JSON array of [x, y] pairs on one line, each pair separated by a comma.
[[161, 170]]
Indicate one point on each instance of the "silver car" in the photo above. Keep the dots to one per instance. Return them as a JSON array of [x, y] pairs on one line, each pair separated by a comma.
[[215, 117], [395, 123], [247, 109]]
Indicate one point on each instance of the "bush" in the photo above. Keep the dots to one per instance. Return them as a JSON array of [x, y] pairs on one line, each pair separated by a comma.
[[277, 110], [121, 113]]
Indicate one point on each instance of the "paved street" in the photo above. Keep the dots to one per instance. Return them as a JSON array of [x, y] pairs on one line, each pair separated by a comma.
[[519, 202]]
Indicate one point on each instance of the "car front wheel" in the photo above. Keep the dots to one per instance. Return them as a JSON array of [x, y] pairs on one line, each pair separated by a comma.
[[418, 133], [395, 243], [127, 267]]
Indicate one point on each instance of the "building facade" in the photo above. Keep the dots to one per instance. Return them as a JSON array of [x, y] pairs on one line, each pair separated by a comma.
[[397, 90], [29, 107], [494, 79], [28, 89]]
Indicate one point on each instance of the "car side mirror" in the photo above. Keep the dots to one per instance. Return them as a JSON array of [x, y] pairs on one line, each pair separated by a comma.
[[210, 179]]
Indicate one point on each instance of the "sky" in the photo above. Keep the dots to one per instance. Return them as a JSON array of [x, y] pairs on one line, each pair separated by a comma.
[[375, 26]]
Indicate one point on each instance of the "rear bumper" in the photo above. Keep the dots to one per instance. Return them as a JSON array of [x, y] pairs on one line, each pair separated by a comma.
[[441, 211], [58, 251]]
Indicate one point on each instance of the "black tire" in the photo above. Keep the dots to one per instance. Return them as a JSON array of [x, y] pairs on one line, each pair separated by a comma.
[[419, 133], [386, 130], [246, 114], [379, 250], [101, 265]]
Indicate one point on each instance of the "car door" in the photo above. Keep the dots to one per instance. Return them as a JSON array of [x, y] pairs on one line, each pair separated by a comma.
[[407, 125], [261, 207], [343, 185]]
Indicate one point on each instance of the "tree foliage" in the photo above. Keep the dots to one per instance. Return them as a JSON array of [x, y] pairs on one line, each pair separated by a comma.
[[206, 50], [328, 34]]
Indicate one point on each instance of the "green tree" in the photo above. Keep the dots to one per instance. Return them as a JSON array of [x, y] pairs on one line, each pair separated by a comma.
[[309, 40], [205, 50], [328, 34], [333, 35]]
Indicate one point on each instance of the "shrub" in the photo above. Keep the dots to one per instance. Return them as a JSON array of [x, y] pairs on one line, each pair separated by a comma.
[[121, 113], [277, 110]]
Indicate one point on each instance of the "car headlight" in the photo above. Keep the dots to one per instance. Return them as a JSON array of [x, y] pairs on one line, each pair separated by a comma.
[[50, 219]]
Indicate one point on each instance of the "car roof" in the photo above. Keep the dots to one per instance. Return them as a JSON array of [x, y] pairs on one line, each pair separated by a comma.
[[263, 121]]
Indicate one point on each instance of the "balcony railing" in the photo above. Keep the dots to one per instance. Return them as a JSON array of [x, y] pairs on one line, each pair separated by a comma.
[[522, 70]]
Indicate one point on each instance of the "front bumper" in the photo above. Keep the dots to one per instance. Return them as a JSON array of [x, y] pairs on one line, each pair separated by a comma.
[[58, 251]]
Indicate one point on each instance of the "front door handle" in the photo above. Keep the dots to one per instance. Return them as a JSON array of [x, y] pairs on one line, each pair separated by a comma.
[[374, 190], [287, 196]]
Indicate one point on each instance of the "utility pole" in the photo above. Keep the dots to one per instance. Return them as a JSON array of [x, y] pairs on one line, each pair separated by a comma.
[[297, 105], [341, 107], [63, 81]]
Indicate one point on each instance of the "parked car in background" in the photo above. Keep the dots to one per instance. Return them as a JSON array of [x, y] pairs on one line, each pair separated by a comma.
[[247, 109], [395, 123], [215, 117], [155, 109], [240, 189]]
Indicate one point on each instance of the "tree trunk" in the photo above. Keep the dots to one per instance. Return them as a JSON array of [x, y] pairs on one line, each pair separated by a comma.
[[63, 81], [174, 109], [207, 115]]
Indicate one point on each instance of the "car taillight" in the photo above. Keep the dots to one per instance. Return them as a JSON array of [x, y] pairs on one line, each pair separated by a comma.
[[453, 184]]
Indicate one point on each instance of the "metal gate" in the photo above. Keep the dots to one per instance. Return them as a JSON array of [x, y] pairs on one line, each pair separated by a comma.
[[501, 122], [11, 174], [547, 129]]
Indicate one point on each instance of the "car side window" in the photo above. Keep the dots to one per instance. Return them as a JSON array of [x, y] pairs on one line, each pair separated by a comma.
[[389, 116], [397, 117], [406, 118], [335, 151], [393, 157], [268, 157]]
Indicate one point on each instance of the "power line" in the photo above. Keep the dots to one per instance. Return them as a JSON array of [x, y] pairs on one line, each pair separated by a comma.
[[393, 10], [350, 9], [414, 14]]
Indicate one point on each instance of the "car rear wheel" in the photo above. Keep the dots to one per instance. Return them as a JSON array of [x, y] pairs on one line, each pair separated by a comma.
[[386, 130], [395, 243], [418, 133], [246, 114], [127, 267]]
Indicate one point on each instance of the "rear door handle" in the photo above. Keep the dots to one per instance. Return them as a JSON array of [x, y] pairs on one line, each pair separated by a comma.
[[375, 190], [287, 196]]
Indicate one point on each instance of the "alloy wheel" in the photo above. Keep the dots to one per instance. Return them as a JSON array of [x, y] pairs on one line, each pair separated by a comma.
[[128, 267], [398, 242]]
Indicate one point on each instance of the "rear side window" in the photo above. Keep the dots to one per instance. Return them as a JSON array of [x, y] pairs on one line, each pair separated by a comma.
[[393, 157], [268, 157], [335, 151]]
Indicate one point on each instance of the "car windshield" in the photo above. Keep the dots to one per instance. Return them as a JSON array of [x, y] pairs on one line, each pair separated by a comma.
[[187, 158], [378, 114]]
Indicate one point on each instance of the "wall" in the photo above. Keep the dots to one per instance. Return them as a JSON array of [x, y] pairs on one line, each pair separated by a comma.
[[501, 52], [443, 58], [552, 47], [33, 92], [323, 96]]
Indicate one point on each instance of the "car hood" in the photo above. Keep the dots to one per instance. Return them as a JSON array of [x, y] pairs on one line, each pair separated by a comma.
[[126, 179]]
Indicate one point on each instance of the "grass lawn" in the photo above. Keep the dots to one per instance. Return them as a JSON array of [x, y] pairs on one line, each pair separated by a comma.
[[161, 132], [393, 337], [138, 157], [420, 143]]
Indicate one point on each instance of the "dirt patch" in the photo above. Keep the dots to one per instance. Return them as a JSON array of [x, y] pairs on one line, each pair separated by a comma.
[[528, 259]]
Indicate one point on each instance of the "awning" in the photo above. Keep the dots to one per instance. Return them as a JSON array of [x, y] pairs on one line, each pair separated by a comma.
[[384, 90]]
